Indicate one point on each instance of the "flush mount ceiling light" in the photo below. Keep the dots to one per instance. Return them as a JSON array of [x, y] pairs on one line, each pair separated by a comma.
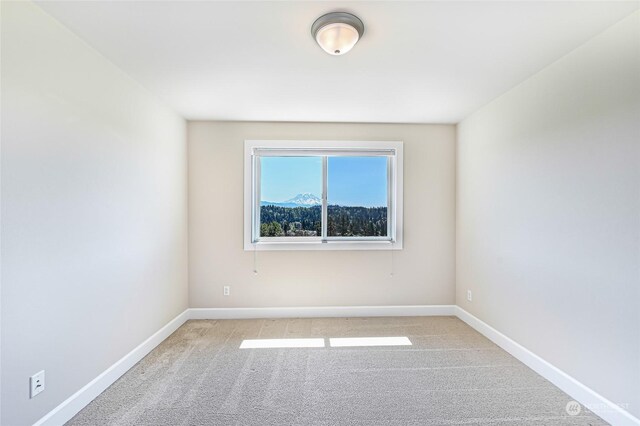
[[337, 32]]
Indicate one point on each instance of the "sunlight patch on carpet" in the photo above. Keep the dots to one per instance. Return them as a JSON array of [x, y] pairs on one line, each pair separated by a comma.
[[369, 341], [281, 343]]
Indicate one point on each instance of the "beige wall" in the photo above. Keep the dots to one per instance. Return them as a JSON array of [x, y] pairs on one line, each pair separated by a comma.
[[548, 213], [93, 213], [423, 271]]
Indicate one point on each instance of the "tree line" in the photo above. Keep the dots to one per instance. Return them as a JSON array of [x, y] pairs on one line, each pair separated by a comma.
[[277, 221]]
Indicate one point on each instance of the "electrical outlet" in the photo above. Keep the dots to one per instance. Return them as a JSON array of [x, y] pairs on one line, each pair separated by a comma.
[[36, 383], [226, 290], [469, 296]]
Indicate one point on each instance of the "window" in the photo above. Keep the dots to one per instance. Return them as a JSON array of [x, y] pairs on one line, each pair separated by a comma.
[[323, 195]]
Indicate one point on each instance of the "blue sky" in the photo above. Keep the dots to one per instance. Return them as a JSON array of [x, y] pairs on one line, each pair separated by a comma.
[[353, 181], [285, 177]]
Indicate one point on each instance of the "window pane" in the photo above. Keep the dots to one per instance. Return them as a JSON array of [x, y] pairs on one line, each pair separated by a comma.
[[357, 197], [290, 196]]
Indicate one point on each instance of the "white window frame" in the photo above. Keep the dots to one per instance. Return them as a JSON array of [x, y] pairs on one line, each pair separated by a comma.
[[254, 148]]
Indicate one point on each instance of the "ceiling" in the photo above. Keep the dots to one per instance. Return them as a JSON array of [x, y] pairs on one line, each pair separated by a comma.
[[418, 62]]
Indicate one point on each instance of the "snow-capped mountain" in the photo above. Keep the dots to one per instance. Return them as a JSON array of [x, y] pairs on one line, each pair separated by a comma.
[[301, 200], [306, 199]]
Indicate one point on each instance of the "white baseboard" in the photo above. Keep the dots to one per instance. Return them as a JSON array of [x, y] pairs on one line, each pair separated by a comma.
[[323, 312], [76, 402], [601, 406], [586, 396]]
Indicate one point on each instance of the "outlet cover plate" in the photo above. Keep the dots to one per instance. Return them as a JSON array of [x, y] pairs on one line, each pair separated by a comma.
[[36, 384]]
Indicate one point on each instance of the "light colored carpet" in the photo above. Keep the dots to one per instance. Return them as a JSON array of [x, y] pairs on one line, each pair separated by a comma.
[[450, 375]]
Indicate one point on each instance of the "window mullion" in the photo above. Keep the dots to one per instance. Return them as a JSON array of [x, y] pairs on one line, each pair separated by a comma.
[[256, 198], [324, 199], [390, 198]]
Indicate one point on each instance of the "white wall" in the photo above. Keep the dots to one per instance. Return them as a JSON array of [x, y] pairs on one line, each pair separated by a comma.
[[94, 244], [424, 270], [548, 213]]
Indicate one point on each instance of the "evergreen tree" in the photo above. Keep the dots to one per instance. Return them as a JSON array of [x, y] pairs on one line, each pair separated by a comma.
[[341, 221]]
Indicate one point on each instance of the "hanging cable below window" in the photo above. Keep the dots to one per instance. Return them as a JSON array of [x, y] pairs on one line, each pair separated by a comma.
[[255, 259], [392, 260]]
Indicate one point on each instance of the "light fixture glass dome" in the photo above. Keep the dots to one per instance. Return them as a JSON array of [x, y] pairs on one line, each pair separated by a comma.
[[337, 39], [337, 32]]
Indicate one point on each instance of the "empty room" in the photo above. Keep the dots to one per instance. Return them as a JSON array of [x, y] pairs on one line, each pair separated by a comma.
[[319, 213]]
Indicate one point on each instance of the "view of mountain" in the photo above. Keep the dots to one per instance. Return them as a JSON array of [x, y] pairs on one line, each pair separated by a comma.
[[301, 200]]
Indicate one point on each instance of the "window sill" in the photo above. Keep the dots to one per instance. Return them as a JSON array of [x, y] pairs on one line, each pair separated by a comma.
[[317, 245]]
